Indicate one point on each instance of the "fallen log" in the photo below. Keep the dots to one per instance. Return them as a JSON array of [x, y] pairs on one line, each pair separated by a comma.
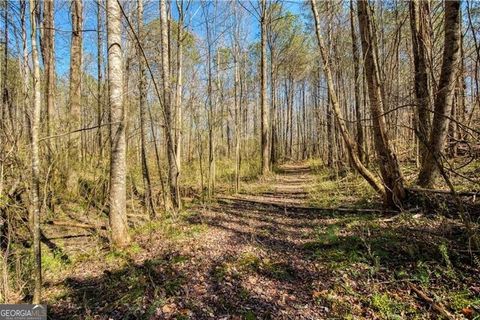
[[437, 306], [287, 206], [75, 225], [439, 191]]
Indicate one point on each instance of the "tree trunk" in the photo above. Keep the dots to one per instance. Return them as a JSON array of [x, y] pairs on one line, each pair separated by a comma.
[[49, 61], [263, 91], [35, 129], [389, 167], [117, 215], [25, 80], [237, 92], [100, 77], [420, 39], [273, 127], [179, 86], [356, 66], [4, 79], [142, 89], [337, 111], [76, 61], [167, 111], [444, 95]]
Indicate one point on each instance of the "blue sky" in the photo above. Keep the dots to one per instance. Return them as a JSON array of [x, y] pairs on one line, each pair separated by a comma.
[[63, 28]]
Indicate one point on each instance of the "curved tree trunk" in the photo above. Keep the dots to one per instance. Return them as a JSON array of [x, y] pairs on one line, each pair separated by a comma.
[[389, 167], [349, 143]]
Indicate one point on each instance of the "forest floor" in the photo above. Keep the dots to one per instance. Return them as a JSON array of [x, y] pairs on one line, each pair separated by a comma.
[[273, 253]]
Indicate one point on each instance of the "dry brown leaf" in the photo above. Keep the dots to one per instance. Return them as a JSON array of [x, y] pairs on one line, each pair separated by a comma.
[[467, 312]]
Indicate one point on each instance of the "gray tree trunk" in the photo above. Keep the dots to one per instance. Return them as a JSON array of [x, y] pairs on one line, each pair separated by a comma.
[[167, 111], [118, 170], [264, 150], [49, 56], [389, 167], [444, 95], [142, 89], [35, 129], [356, 66], [76, 61], [349, 143], [420, 41], [100, 77]]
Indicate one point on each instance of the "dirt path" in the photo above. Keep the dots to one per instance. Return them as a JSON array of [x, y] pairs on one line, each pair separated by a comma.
[[266, 255], [249, 263], [257, 242]]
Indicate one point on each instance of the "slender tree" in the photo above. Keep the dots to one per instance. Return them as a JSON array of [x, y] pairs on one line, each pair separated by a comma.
[[35, 130], [237, 94], [100, 96], [167, 109], [49, 60], [419, 11], [389, 167], [117, 215], [356, 84], [142, 88], [76, 61], [179, 84], [444, 94], [264, 110], [350, 144]]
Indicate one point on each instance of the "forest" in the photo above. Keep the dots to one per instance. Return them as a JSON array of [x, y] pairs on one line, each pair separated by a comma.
[[240, 159]]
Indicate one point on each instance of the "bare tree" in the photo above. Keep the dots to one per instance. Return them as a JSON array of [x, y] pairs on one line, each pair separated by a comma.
[[100, 96], [76, 61], [389, 167], [211, 104], [167, 111], [264, 150], [237, 94], [49, 60], [444, 94], [356, 67], [117, 215], [35, 130], [142, 87], [350, 144], [419, 11], [179, 83]]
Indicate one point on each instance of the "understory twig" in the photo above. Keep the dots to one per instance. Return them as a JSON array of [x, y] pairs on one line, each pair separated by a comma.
[[437, 306]]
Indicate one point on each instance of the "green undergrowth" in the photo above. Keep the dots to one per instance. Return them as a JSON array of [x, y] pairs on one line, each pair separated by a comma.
[[224, 173], [172, 227], [136, 290], [351, 190], [253, 262], [375, 260], [129, 268]]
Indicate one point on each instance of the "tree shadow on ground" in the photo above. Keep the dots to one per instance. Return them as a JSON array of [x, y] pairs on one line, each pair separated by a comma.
[[239, 284]]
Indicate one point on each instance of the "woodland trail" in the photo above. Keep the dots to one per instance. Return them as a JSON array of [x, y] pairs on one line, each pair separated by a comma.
[[265, 234], [261, 255], [250, 263]]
